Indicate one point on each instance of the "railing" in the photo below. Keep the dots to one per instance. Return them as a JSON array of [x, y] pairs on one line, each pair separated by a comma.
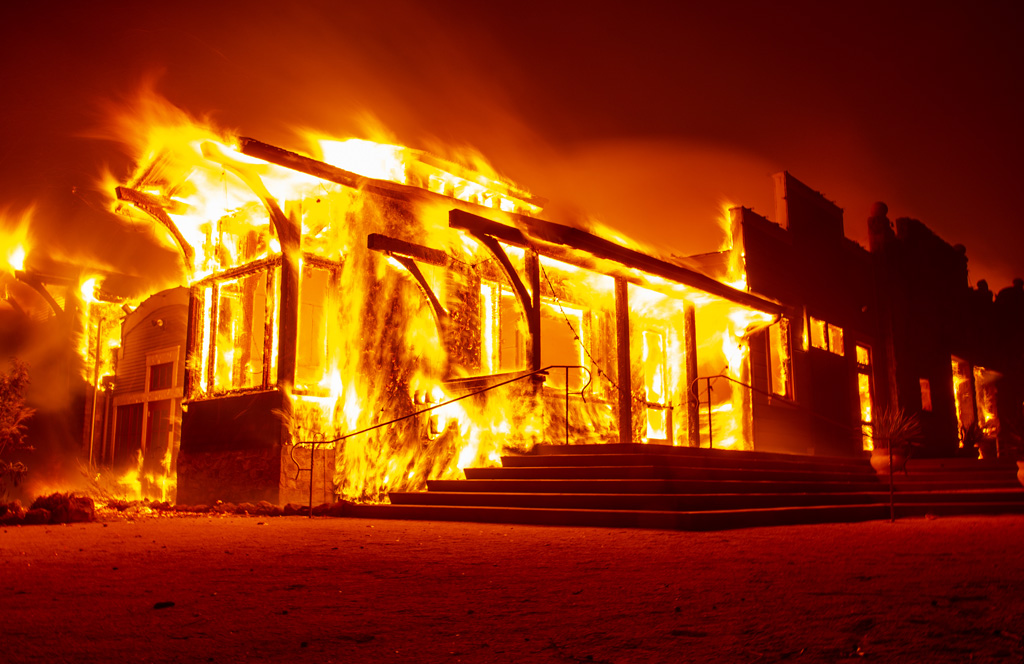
[[771, 396], [696, 394], [522, 376]]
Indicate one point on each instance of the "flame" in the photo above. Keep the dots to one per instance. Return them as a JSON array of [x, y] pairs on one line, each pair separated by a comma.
[[371, 347], [14, 240]]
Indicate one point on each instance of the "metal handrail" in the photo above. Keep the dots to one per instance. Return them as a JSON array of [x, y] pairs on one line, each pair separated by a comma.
[[544, 370], [787, 402], [771, 396]]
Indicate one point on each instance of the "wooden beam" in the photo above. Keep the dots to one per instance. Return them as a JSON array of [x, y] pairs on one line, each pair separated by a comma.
[[418, 252], [533, 314], [478, 225], [690, 375], [624, 377], [155, 206], [440, 313], [318, 169], [38, 286], [601, 248]]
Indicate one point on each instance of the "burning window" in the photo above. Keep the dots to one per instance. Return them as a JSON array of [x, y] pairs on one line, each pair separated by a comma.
[[561, 331], [241, 332], [655, 388], [780, 362], [835, 339], [826, 336], [963, 396], [865, 396], [236, 331], [984, 383], [311, 351], [819, 335], [502, 340]]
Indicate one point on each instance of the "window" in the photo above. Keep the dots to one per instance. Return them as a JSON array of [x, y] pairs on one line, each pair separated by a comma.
[[561, 331], [161, 376], [835, 339], [819, 338], [826, 336], [963, 396], [128, 439], [241, 330], [780, 362], [654, 368], [926, 395], [865, 396], [311, 350]]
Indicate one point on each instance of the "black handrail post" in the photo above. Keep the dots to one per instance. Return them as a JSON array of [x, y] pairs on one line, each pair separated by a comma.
[[312, 473], [892, 500], [711, 442], [566, 405]]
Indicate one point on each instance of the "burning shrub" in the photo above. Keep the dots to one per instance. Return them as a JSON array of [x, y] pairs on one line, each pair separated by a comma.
[[13, 416]]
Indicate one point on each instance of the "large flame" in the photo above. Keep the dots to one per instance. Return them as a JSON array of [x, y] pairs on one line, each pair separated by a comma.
[[371, 348]]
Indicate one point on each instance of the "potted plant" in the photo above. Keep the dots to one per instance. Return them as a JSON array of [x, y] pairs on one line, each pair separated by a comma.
[[896, 432]]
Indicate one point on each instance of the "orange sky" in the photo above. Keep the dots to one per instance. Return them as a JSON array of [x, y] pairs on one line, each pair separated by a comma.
[[649, 119]]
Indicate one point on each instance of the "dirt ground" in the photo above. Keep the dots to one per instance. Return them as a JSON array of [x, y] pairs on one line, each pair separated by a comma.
[[291, 589]]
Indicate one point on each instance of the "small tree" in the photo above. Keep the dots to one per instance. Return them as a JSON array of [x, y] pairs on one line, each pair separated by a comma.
[[13, 417]]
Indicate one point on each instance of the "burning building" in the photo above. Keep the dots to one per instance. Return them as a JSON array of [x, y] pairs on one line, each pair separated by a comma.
[[358, 321], [361, 321]]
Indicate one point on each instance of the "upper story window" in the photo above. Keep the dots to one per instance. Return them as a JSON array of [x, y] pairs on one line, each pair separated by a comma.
[[161, 376], [780, 363], [826, 336]]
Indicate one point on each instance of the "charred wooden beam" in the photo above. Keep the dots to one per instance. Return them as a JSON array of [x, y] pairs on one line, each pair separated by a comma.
[[155, 207], [439, 311], [690, 375], [529, 300], [533, 313], [240, 271], [14, 305], [38, 285], [396, 247], [601, 248], [318, 169], [297, 162], [477, 225], [193, 324], [624, 378]]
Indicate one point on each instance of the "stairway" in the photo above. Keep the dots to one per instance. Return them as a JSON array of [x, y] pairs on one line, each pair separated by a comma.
[[659, 486]]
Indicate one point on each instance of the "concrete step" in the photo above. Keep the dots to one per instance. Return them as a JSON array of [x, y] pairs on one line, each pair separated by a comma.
[[929, 484], [643, 502], [658, 471], [693, 502], [661, 486], [803, 464], [667, 520], [729, 456]]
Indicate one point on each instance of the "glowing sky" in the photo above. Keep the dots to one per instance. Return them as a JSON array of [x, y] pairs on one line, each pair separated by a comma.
[[647, 115]]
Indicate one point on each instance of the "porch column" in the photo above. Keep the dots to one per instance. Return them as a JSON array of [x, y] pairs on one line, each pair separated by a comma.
[[624, 377], [533, 312], [690, 375]]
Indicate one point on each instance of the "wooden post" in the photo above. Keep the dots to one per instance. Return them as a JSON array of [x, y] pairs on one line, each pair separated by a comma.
[[533, 313], [624, 377], [690, 375], [194, 319], [288, 322]]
